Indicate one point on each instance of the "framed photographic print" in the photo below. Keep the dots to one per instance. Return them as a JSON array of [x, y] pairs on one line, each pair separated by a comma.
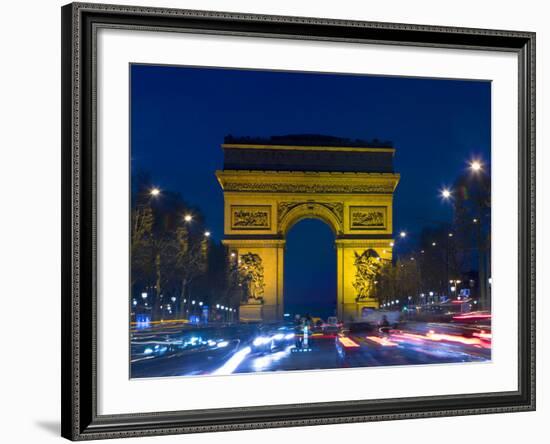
[[281, 221]]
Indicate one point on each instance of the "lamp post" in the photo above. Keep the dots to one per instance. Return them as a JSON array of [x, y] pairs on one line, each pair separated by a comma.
[[478, 170]]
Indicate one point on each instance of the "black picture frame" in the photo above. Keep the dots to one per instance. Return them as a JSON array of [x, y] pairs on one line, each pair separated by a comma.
[[79, 386]]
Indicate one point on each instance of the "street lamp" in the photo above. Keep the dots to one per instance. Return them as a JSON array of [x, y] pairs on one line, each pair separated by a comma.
[[207, 233], [475, 166], [403, 234], [187, 218], [445, 193], [154, 192]]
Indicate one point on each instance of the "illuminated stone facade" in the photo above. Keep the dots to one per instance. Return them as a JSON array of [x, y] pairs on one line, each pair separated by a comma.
[[270, 187]]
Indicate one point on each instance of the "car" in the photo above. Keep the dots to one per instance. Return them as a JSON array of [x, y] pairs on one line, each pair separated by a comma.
[[268, 340], [362, 327], [332, 326]]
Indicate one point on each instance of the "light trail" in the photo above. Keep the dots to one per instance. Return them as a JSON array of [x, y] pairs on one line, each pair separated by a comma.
[[347, 342], [231, 365], [440, 337], [384, 342]]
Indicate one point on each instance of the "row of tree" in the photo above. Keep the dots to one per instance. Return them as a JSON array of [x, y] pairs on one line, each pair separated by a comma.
[[173, 258], [457, 251]]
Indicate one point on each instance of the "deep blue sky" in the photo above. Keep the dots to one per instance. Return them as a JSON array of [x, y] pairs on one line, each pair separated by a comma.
[[180, 116]]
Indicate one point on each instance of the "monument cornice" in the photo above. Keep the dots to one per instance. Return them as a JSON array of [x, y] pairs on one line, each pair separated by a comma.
[[364, 149]]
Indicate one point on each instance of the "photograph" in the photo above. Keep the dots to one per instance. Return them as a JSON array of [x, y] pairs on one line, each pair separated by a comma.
[[287, 221]]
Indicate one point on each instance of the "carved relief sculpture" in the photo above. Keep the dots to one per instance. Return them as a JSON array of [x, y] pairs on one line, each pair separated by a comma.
[[367, 268], [251, 277], [251, 217], [367, 218]]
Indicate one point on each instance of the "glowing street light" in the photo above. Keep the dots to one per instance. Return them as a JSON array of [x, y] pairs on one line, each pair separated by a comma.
[[476, 165], [434, 244], [187, 218], [207, 233], [403, 234], [445, 193], [154, 192]]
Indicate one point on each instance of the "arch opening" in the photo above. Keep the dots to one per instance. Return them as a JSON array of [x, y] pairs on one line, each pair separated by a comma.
[[310, 275]]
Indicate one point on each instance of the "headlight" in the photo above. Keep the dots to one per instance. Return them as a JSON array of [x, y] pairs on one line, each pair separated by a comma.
[[260, 340]]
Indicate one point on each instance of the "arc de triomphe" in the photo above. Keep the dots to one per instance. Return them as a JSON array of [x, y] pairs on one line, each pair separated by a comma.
[[271, 184]]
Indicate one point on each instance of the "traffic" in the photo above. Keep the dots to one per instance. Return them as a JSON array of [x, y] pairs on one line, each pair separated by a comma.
[[380, 338]]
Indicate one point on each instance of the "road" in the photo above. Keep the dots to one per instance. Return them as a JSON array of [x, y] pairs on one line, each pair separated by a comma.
[[181, 350]]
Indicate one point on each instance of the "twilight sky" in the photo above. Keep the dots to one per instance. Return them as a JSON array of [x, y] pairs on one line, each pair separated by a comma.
[[179, 117]]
